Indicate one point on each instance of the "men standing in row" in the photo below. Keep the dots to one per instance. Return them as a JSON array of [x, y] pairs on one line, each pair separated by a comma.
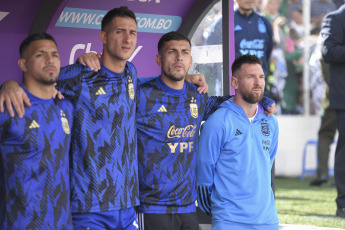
[[104, 167], [34, 160], [169, 115]]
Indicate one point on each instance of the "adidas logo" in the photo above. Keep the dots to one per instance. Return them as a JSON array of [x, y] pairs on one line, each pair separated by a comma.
[[101, 91], [34, 125], [238, 132], [237, 28], [162, 109]]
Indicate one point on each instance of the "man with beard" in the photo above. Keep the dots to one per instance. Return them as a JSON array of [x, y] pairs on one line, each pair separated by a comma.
[[169, 115], [237, 147], [104, 167], [34, 160]]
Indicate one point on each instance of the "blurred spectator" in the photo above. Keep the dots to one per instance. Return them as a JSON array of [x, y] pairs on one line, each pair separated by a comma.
[[326, 132], [319, 8], [253, 33], [317, 84], [278, 69], [293, 5], [296, 22], [294, 61]]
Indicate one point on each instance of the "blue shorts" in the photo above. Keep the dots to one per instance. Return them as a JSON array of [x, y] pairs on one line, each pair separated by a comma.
[[125, 219]]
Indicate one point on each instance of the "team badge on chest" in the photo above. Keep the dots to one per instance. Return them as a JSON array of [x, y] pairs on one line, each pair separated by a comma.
[[193, 108], [130, 88], [64, 123], [265, 129]]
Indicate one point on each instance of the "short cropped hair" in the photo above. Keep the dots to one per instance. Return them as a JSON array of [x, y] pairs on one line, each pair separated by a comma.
[[173, 35], [34, 37], [122, 11], [244, 59]]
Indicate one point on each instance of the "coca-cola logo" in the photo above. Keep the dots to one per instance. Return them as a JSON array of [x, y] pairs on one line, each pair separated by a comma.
[[188, 131]]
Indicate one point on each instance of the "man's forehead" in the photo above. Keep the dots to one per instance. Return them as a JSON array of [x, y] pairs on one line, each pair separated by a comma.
[[42, 45], [123, 21], [177, 44], [248, 68]]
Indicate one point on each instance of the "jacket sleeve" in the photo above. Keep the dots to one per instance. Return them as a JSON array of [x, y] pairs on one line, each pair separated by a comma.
[[333, 29], [274, 146], [210, 144], [266, 102]]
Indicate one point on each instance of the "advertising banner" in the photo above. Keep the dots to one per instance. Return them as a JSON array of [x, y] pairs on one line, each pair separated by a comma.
[[77, 25]]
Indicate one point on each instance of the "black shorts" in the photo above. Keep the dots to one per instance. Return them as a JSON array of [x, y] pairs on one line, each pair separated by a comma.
[[179, 221]]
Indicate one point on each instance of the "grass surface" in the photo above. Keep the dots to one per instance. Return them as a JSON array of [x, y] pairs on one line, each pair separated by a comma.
[[301, 204]]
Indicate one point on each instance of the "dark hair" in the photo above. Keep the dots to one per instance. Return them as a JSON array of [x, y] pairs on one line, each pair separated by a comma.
[[122, 11], [244, 59], [173, 35], [34, 37]]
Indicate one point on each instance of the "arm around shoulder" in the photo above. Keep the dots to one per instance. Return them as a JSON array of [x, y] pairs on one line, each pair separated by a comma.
[[13, 96]]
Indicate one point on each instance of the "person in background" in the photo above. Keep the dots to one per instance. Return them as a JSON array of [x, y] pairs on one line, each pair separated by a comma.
[[253, 33], [327, 131], [333, 52]]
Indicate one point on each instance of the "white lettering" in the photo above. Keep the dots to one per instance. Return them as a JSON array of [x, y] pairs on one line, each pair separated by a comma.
[[136, 51], [183, 146], [173, 147], [74, 50], [160, 24], [167, 26], [98, 20], [142, 22], [89, 18], [65, 16], [79, 47]]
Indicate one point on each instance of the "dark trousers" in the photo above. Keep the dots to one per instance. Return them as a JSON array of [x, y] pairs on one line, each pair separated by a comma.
[[339, 160], [179, 221], [326, 135]]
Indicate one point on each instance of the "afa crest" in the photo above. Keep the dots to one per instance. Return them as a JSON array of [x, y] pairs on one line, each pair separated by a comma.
[[130, 88], [265, 129], [64, 123], [194, 108]]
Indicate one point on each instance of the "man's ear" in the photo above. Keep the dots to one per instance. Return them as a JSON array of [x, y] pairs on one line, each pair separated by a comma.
[[234, 82], [158, 59], [22, 64], [103, 37]]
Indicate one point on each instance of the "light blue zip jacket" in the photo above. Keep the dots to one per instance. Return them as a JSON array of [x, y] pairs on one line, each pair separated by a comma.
[[234, 169]]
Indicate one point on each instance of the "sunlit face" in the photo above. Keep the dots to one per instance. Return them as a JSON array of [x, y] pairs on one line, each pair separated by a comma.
[[41, 62], [175, 59], [245, 5], [249, 83], [119, 38]]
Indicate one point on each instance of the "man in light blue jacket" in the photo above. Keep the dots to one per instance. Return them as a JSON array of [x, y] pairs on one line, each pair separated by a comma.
[[237, 147]]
